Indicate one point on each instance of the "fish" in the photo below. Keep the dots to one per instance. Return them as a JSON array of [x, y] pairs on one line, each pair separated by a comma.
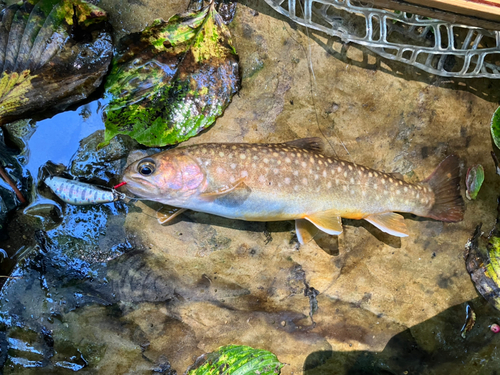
[[81, 193], [291, 181]]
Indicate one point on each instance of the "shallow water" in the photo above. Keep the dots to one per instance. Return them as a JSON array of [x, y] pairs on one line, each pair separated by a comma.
[[105, 289]]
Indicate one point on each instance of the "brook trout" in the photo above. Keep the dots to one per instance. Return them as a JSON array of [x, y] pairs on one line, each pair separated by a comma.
[[292, 181]]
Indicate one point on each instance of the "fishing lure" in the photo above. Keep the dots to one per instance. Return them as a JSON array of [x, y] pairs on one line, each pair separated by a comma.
[[81, 193]]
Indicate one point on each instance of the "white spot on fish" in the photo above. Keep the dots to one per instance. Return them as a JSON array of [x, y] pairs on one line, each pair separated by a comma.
[[278, 162], [352, 180], [345, 174], [221, 154], [276, 154], [337, 181], [204, 150], [255, 157], [383, 181], [401, 183], [350, 167], [262, 179], [344, 188], [244, 174], [324, 173], [266, 160], [352, 192], [304, 181], [405, 189], [296, 188], [398, 192], [339, 169], [375, 187], [232, 179], [295, 173], [329, 184], [287, 180], [304, 164], [320, 162], [391, 180], [343, 164], [363, 193], [243, 156], [360, 173], [233, 166], [316, 176], [220, 170], [254, 165], [233, 147], [370, 174], [276, 171], [288, 160]]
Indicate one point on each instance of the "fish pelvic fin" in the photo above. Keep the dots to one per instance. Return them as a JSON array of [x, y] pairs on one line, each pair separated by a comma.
[[445, 184], [312, 144], [305, 231], [168, 213], [327, 221], [389, 222]]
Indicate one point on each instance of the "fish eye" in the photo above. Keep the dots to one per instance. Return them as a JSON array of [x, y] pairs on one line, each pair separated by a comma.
[[146, 167]]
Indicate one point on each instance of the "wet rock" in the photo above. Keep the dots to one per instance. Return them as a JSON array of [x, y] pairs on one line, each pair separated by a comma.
[[58, 53], [105, 164]]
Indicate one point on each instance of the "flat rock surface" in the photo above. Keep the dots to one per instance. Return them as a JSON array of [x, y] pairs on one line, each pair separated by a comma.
[[156, 297]]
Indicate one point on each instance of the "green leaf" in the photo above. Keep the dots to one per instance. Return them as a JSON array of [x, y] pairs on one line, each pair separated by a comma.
[[495, 127], [236, 360], [172, 80], [474, 180]]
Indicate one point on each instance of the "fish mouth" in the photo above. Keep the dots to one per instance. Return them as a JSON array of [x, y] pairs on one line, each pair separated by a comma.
[[141, 187]]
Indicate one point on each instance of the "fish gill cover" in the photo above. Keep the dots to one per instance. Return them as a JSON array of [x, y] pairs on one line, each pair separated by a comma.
[[52, 54], [172, 80]]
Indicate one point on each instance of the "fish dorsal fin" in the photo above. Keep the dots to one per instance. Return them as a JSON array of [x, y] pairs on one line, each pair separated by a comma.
[[168, 213], [212, 195], [327, 221], [397, 175], [311, 144], [389, 222], [305, 231]]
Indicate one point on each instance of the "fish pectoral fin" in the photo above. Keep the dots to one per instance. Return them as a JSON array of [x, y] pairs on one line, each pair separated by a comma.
[[305, 231], [311, 144], [168, 213], [389, 222], [210, 196], [327, 221]]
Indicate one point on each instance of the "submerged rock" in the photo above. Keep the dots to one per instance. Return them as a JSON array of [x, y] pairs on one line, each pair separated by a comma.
[[52, 54]]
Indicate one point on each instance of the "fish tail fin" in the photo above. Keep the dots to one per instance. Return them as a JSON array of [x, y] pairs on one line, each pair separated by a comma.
[[445, 184]]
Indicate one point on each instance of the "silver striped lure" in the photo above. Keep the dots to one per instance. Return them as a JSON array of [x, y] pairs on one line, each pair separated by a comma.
[[81, 193]]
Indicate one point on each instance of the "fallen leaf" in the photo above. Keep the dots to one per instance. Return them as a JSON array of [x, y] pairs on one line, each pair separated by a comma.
[[172, 80]]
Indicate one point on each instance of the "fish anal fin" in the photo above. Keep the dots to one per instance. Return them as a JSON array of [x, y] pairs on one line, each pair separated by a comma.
[[327, 221], [389, 222], [305, 231], [312, 144], [168, 213], [210, 196]]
